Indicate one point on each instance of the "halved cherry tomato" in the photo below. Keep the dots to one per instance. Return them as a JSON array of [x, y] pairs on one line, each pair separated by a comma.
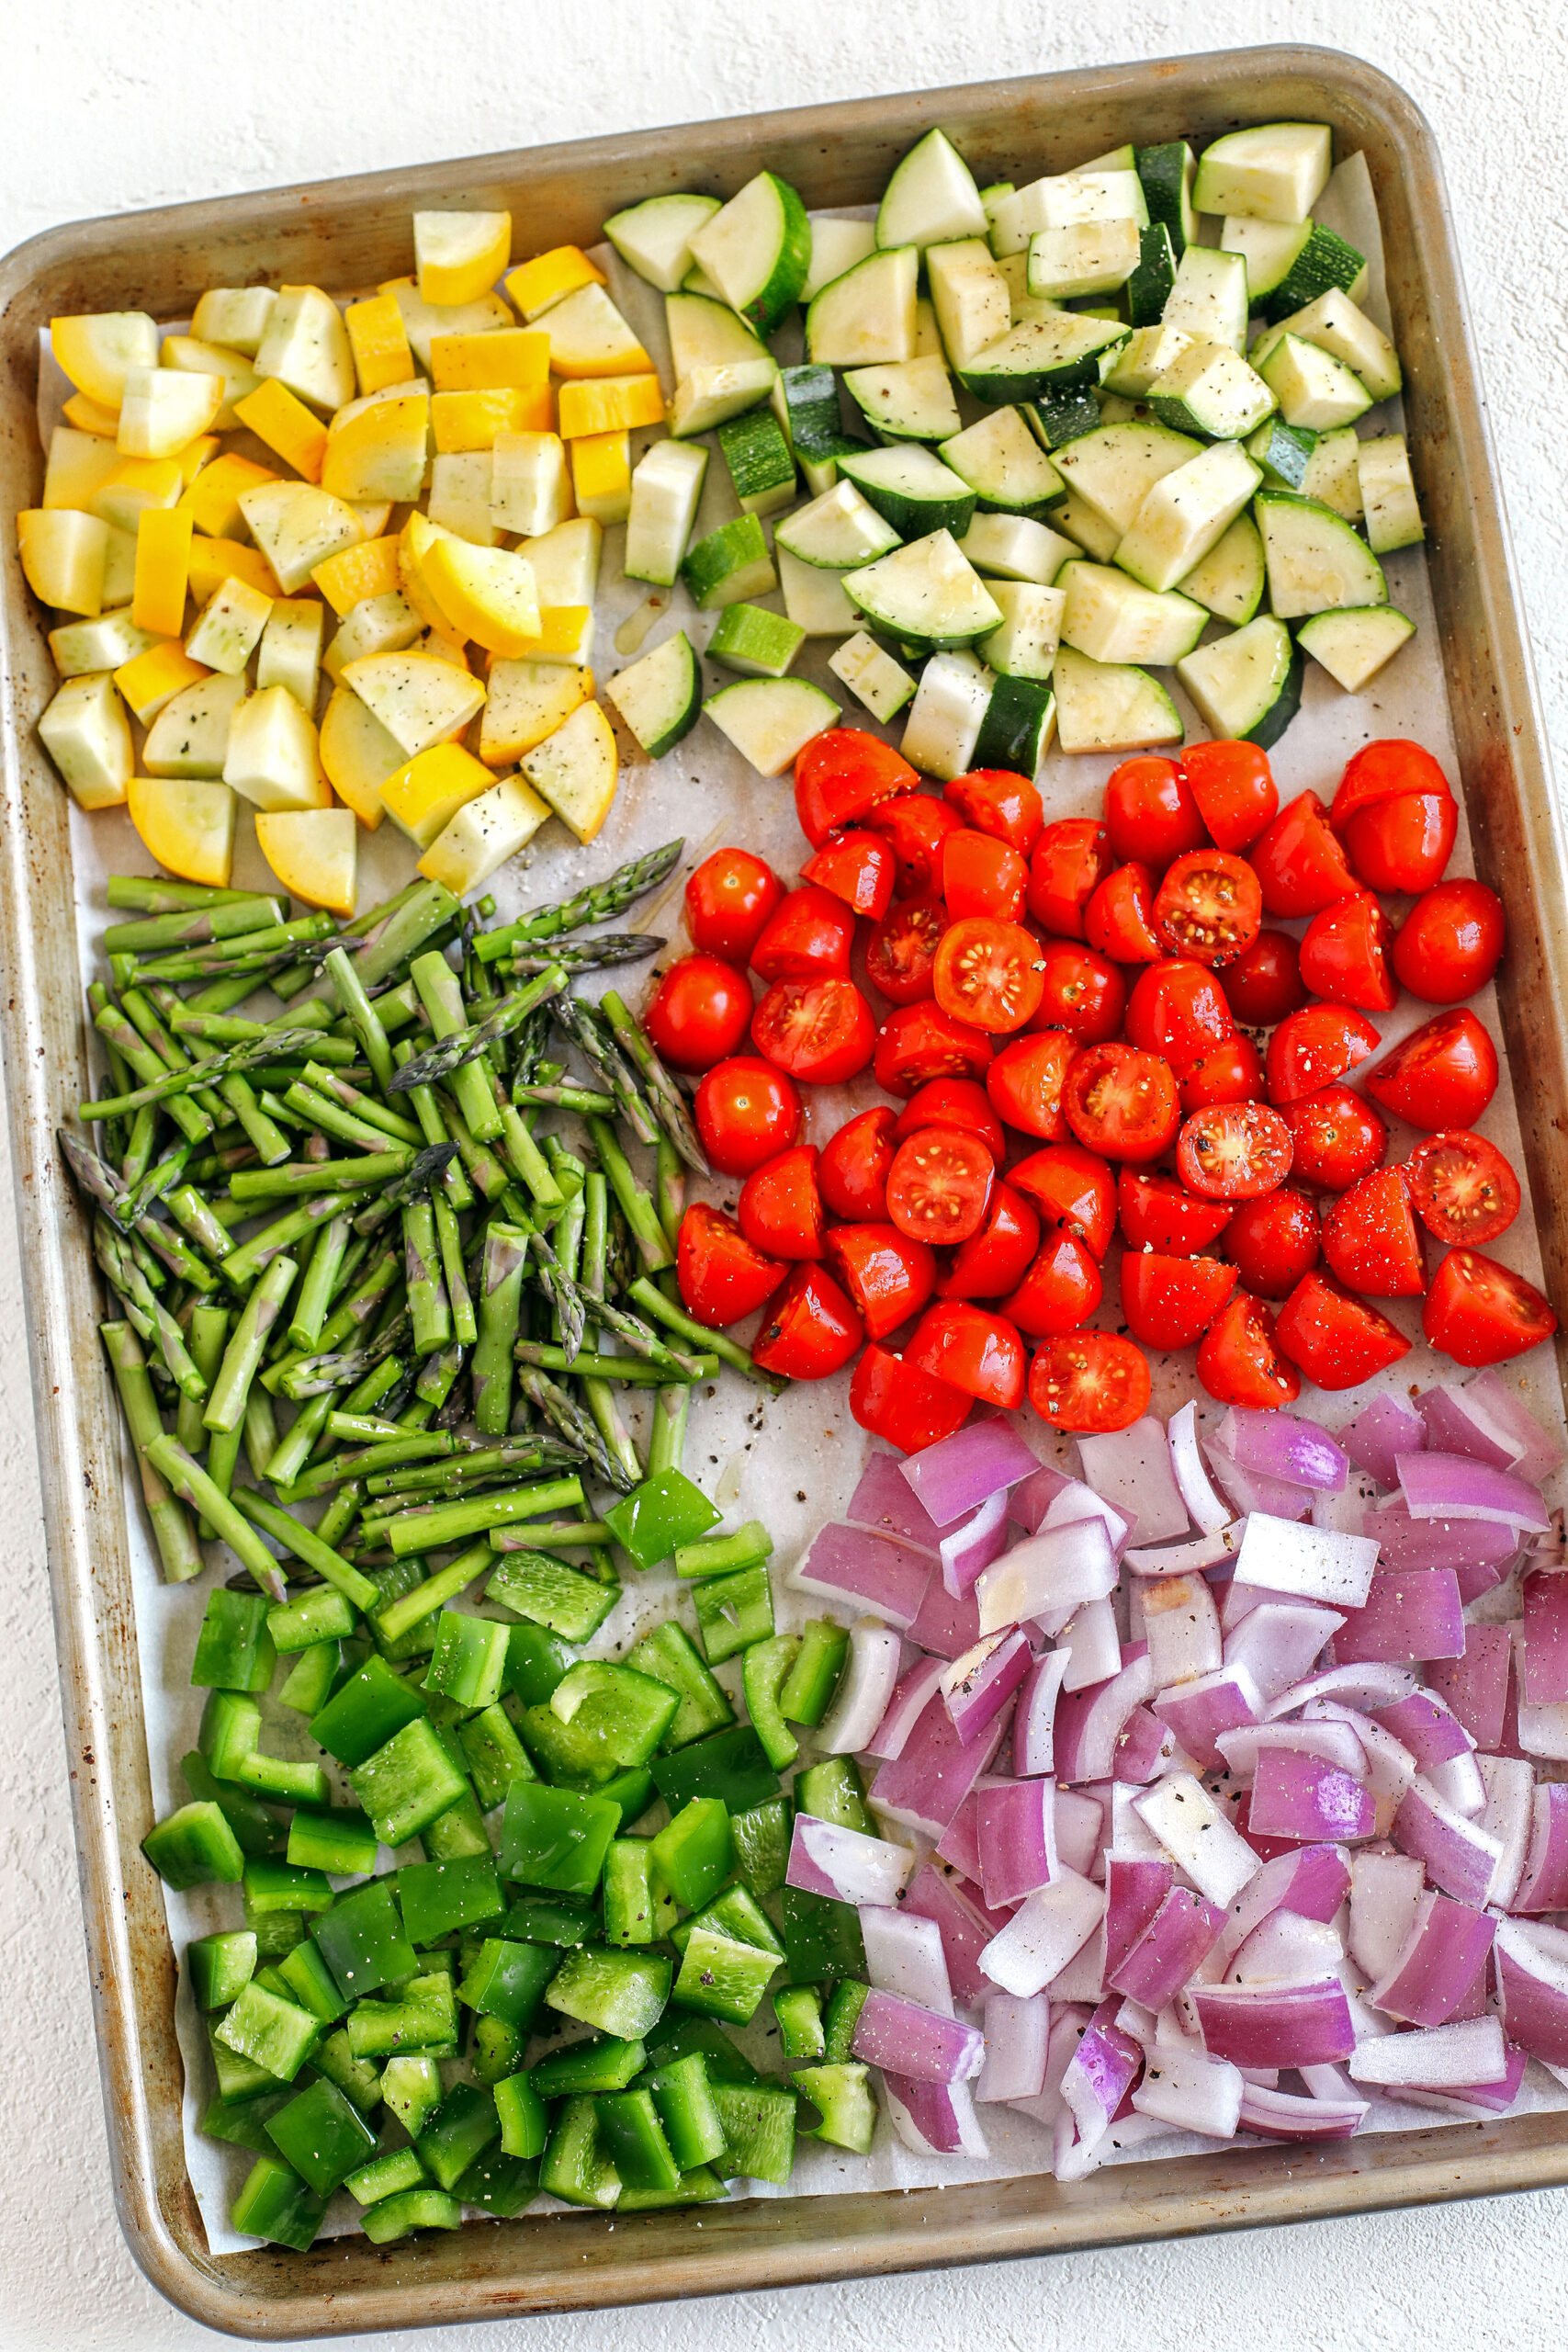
[[994, 1260], [1234, 1151], [860, 868], [919, 1041], [1170, 1302], [901, 952], [729, 899], [954, 1102], [1402, 844], [1300, 864], [889, 1276], [971, 1349], [841, 774], [1229, 1073], [1344, 955], [853, 1170], [1233, 787], [996, 801], [1462, 1187], [1338, 1138], [1071, 860], [701, 1010], [1071, 1187], [1119, 918], [981, 875], [1386, 770], [1122, 1103], [1239, 1361], [808, 937], [1265, 984], [1371, 1238], [916, 824], [1316, 1047], [1025, 1083], [1443, 1074], [810, 1330], [984, 973], [1336, 1339], [1159, 1213], [1178, 1008], [1209, 907], [1060, 1289], [939, 1185], [747, 1112], [899, 1402], [1450, 942], [1092, 1382], [1150, 813], [1273, 1241], [1479, 1311], [723, 1277], [781, 1209], [822, 1032], [1083, 992]]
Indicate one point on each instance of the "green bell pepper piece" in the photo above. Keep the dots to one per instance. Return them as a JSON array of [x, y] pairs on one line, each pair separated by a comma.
[[494, 1754], [524, 2124], [541, 1918], [822, 1939], [718, 1555], [695, 1852], [319, 1615], [536, 1661], [735, 1914], [386, 2176], [416, 2209], [701, 2186], [234, 1650], [810, 1686], [275, 2204], [193, 1845], [622, 1993], [762, 1844], [833, 1790], [575, 2167], [278, 2035], [408, 1783], [638, 1909], [665, 1510], [422, 2017], [550, 1594], [508, 1980], [501, 2183], [606, 2062], [722, 1978], [467, 1659], [842, 2098], [669, 1656], [556, 1838], [616, 1715], [411, 2090], [303, 1976], [340, 1840], [359, 2082], [633, 2138], [681, 2034], [256, 1831], [372, 1707], [220, 1966], [323, 2136], [437, 1897], [362, 1940], [759, 2124], [731, 1764], [762, 1673], [842, 2017], [309, 1683], [458, 1834], [684, 2096], [462, 2130], [242, 2122], [733, 1612], [798, 2010]]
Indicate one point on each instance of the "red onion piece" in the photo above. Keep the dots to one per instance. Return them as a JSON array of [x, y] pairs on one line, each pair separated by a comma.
[[1280, 2115], [1539, 1453], [1447, 1485], [1080, 1830], [1090, 1644], [1460, 1857], [1436, 1965], [1543, 1731], [1333, 1743], [1281, 1642], [872, 1571], [948, 1479], [1531, 1961], [1506, 1813], [1178, 1939], [1074, 1500], [1068, 2024], [1130, 1468], [1136, 1886], [1476, 1685], [904, 1954], [1389, 1768], [1016, 1833], [1083, 1979], [846, 1865], [973, 1543], [1432, 2057], [1428, 1727], [1409, 1614], [1100, 2072], [1459, 1783], [1476, 1549], [886, 1501], [1279, 1445], [1207, 1510], [1312, 1563], [1543, 1660], [1385, 1427], [1033, 1746], [1181, 1626], [922, 1788], [1029, 1501], [909, 1700], [934, 2119], [944, 1625], [1018, 2035], [1198, 1712], [1192, 2093], [1368, 1687], [1250, 1491], [1544, 1884], [1059, 1568], [964, 1931], [1043, 1934], [916, 2042], [1464, 2098], [1285, 1949], [870, 1673], [1385, 1899], [1191, 1558], [1275, 2025], [1090, 1723], [977, 1686], [1454, 1423], [960, 1841], [1198, 1837], [1306, 1797], [1312, 1882]]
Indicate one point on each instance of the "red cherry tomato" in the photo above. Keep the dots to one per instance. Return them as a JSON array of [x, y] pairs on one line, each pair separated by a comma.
[[1239, 1361], [1229, 1073], [701, 1010], [996, 801], [985, 974], [851, 1171], [822, 1032], [841, 774], [1071, 1187], [887, 1276], [1119, 918], [1159, 1213], [917, 825], [810, 1330], [1122, 1103], [1071, 860], [1273, 1241], [954, 1102], [808, 937], [1060, 1289], [1300, 864], [1233, 787], [729, 899], [1083, 992], [981, 875], [1336, 1339], [1170, 1302], [901, 953], [971, 1349], [1479, 1311], [1209, 907], [860, 868], [1344, 955], [1178, 1010], [1265, 984], [1443, 1074], [1402, 844], [919, 1041], [1371, 1240], [1450, 942], [1316, 1047], [939, 1185], [723, 1277], [1234, 1151], [1150, 813], [994, 1260], [1387, 770], [1338, 1138], [781, 1209], [1025, 1083], [1090, 1382], [747, 1113], [906, 1407], [1462, 1187]]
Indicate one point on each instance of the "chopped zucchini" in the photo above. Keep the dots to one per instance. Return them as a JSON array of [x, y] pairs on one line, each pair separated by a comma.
[[661, 696], [926, 596], [1315, 562], [770, 720], [1353, 646], [1247, 686], [1106, 706]]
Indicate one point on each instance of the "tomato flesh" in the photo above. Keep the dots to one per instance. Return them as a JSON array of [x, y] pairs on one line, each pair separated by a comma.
[[1336, 1339], [1316, 1047], [1179, 1010], [1159, 1213], [1071, 1187], [1402, 844], [1122, 1103], [1239, 1362], [781, 1209], [1273, 1241], [860, 868], [1300, 864], [971, 1349], [995, 800], [1092, 1382], [1387, 770], [747, 1112], [1344, 955], [841, 774], [1233, 787], [919, 1041], [1229, 1073], [1170, 1302], [916, 825], [1150, 812], [810, 1330], [906, 1407], [1265, 984], [821, 1031], [1337, 1137], [1234, 1151], [1463, 1189], [1209, 907], [995, 1260], [729, 899], [981, 875], [851, 1170], [1450, 942], [1443, 1074], [887, 1276], [808, 937], [986, 974], [723, 1277], [1119, 918], [940, 1186], [1083, 992], [1371, 1240], [1025, 1083], [1061, 1287], [1480, 1313], [701, 1011], [1070, 861], [901, 952], [955, 1103]]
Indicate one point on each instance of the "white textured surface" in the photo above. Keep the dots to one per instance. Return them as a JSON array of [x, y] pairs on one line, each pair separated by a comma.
[[146, 101]]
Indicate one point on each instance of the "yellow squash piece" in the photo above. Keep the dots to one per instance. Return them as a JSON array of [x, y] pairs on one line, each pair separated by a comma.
[[196, 457], [510, 359], [214, 560], [186, 351], [119, 568], [163, 570], [87, 735], [575, 770], [162, 408], [384, 624], [486, 593], [601, 476], [537, 285], [297, 526], [63, 555], [462, 421], [190, 735], [376, 448], [79, 465], [285, 424], [236, 316], [306, 346], [609, 404], [135, 483], [212, 500], [188, 826], [314, 853], [272, 754], [380, 342], [423, 321], [149, 679], [359, 755], [530, 483], [98, 349], [347, 578], [459, 255], [459, 495], [419, 699], [227, 629], [527, 701], [428, 792], [565, 634], [289, 654], [416, 539], [588, 337], [107, 643], [91, 416], [483, 834]]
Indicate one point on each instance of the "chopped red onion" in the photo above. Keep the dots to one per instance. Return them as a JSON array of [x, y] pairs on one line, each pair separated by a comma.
[[1279, 1642], [1018, 2035], [1432, 2057], [973, 1543], [1193, 2094], [1182, 1625], [1043, 1934], [1447, 1485], [922, 1788], [1073, 1500], [1100, 2072], [884, 1500], [1508, 1790], [1190, 1558], [965, 1932], [1059, 1568], [918, 2043], [1310, 1562], [1276, 2025], [1198, 1837], [1277, 1445], [1389, 1768], [948, 1479], [1382, 1430], [1016, 1831], [1455, 1423], [977, 1686], [1367, 1686], [1476, 1686], [1458, 1855], [1130, 1468], [1478, 1551], [904, 1954], [1538, 1452], [960, 1841], [1464, 2098], [1311, 1881], [946, 1627], [870, 1673], [1177, 1940], [1285, 1949], [1544, 1730], [909, 1700], [1409, 1614], [1030, 1500], [1531, 1961], [1386, 1896], [846, 1865], [872, 1571], [1280, 2115], [1207, 1510], [1068, 2024], [1334, 1744], [1459, 1783], [1543, 1660], [1428, 1727], [1033, 1746], [1091, 1645], [1250, 1491], [1306, 1797], [1200, 1711], [1544, 1884], [934, 2119], [1136, 1886], [1083, 1979], [1089, 1724], [1080, 1830]]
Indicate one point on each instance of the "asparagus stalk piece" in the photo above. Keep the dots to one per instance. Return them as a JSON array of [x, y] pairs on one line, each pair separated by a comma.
[[669, 1102], [577, 1427], [173, 1085], [504, 1257], [637, 1207], [242, 1356], [193, 1485], [599, 1049], [362, 1016], [652, 1301], [590, 955], [307, 1545], [464, 1045], [177, 1548], [413, 1184], [601, 902]]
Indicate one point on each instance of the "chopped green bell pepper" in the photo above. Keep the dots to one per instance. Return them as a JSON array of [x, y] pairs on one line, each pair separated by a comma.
[[842, 2098], [638, 1909], [408, 1783], [362, 1940], [722, 1978], [416, 2209], [458, 1834], [536, 1661], [323, 2136], [359, 2082], [735, 1914], [410, 2086], [303, 1976], [733, 1612], [821, 1938], [462, 2130], [495, 2049], [423, 2016], [437, 1897], [309, 1683], [665, 1510], [556, 1838], [193, 1845], [508, 1980], [272, 1885], [242, 2122], [575, 2167], [495, 1755], [810, 1686], [669, 1656], [340, 1840], [762, 1842], [275, 2204], [684, 2096], [386, 2176], [730, 1765], [525, 2125], [622, 1993], [501, 2183], [759, 2125], [537, 1918], [616, 1716], [695, 1852], [320, 1615], [633, 2137], [718, 1555], [278, 2035], [372, 1707], [833, 1790], [798, 2010], [234, 1650], [256, 1831], [550, 1594], [763, 1674], [220, 1966], [681, 2033], [842, 2015], [603, 2062], [701, 2186], [467, 1659]]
